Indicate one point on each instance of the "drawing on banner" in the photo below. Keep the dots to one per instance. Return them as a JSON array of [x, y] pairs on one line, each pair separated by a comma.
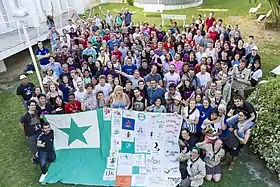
[[143, 170], [107, 114], [152, 160], [123, 181], [155, 180], [139, 160], [155, 147], [117, 113], [124, 170], [172, 181], [128, 136], [109, 175], [125, 159], [141, 146], [112, 162], [138, 180], [115, 144], [141, 116], [128, 124]]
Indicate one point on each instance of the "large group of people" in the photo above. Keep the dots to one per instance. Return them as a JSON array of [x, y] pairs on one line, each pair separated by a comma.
[[200, 72]]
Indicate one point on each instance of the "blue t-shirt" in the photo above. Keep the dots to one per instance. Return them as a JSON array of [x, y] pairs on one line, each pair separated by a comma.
[[111, 44], [154, 94], [127, 17], [204, 114], [89, 52], [129, 69], [43, 51]]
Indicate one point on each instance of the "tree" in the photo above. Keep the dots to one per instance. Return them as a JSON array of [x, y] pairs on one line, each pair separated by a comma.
[[275, 7]]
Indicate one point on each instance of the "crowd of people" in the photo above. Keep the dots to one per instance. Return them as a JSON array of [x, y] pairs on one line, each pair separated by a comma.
[[200, 72]]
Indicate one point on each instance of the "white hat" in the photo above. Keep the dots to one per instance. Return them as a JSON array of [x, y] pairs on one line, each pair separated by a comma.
[[255, 48], [22, 77]]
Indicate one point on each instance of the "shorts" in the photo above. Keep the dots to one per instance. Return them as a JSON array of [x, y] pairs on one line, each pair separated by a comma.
[[213, 170]]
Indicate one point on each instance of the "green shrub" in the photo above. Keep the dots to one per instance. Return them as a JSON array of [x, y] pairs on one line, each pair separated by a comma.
[[265, 138], [130, 2]]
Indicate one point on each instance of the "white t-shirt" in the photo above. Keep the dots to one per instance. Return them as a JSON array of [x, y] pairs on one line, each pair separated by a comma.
[[203, 79], [166, 95], [80, 95], [257, 74], [174, 78], [107, 88], [215, 128], [193, 115]]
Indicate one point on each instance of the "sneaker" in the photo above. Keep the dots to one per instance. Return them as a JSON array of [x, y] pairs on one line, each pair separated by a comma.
[[42, 178], [231, 166]]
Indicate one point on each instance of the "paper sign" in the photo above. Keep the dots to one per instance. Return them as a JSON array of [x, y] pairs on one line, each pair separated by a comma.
[[109, 175], [138, 159], [123, 181], [125, 159], [138, 180], [124, 170], [112, 162], [107, 114]]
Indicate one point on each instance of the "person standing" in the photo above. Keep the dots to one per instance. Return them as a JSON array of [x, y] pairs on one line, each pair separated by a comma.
[[24, 90], [73, 106], [31, 126], [45, 148], [42, 55]]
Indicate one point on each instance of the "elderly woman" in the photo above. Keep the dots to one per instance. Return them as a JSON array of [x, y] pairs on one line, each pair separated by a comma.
[[214, 154], [195, 170], [119, 99]]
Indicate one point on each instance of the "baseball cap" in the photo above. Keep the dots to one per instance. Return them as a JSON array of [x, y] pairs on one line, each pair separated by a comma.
[[255, 48], [22, 77]]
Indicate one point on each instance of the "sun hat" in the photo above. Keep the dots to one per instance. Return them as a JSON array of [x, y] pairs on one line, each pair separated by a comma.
[[22, 77]]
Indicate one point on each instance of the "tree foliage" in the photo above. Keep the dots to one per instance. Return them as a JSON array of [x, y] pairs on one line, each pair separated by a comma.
[[265, 138]]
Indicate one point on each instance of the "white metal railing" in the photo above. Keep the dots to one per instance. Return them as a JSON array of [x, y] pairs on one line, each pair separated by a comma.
[[41, 28], [9, 26]]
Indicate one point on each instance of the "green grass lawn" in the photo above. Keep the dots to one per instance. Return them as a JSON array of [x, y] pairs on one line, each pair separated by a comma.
[[16, 169]]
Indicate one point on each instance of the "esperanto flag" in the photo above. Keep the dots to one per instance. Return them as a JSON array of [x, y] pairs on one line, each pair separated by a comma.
[[82, 145]]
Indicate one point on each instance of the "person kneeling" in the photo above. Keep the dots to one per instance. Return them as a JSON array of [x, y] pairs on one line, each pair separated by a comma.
[[214, 154], [45, 149], [195, 168]]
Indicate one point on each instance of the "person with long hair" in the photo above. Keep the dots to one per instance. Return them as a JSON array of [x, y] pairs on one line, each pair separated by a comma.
[[256, 73], [53, 92], [109, 69], [66, 87], [59, 106], [191, 116], [35, 92], [119, 99], [205, 111], [185, 88]]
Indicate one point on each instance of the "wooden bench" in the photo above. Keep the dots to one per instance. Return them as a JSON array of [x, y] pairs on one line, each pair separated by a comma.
[[173, 17], [154, 8]]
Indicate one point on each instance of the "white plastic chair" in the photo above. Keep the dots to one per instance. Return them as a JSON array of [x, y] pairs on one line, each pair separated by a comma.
[[262, 18], [253, 11]]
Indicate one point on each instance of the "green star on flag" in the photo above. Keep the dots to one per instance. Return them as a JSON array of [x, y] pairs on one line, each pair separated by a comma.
[[75, 132]]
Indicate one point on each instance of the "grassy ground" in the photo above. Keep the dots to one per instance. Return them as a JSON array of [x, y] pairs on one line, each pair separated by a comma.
[[16, 169]]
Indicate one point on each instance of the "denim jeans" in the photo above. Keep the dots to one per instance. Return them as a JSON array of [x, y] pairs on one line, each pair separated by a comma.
[[43, 157], [241, 131]]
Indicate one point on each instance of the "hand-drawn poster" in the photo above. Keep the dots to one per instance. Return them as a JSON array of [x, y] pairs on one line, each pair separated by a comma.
[[144, 148]]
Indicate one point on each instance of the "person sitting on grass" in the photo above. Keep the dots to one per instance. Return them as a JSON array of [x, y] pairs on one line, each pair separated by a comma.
[[195, 170], [214, 154]]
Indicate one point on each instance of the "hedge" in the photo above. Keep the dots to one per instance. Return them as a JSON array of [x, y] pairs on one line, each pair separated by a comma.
[[265, 138]]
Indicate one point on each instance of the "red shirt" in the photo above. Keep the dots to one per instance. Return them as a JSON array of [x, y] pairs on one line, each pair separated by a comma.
[[191, 42], [106, 38], [213, 35], [209, 22], [168, 46], [118, 54], [75, 106]]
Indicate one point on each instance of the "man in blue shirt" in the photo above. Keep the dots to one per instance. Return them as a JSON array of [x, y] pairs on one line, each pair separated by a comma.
[[42, 55], [129, 68], [55, 66], [154, 92], [89, 51], [112, 42], [127, 16]]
